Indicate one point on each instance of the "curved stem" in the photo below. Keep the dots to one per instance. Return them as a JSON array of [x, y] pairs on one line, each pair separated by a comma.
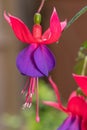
[[41, 6], [55, 90]]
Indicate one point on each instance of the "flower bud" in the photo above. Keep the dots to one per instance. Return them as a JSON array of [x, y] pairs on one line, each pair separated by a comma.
[[37, 18]]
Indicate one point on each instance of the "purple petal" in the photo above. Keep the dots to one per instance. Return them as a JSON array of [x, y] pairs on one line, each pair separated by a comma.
[[44, 59], [66, 124], [25, 62], [76, 124], [71, 123]]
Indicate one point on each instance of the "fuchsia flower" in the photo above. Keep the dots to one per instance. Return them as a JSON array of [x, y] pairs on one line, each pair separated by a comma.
[[76, 107], [36, 60]]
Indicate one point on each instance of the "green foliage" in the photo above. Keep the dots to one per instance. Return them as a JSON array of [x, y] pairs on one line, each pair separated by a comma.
[[84, 46], [78, 67], [81, 60], [11, 121]]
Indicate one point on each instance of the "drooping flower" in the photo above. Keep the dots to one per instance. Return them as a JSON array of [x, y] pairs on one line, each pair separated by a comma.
[[76, 107], [36, 60]]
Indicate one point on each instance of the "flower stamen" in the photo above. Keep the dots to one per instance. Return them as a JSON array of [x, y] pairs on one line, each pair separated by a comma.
[[32, 88], [37, 102], [25, 87]]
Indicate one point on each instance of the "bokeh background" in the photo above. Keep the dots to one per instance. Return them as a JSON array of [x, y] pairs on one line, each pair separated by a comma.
[[11, 81]]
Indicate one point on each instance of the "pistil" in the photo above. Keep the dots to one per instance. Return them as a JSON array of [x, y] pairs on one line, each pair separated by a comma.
[[37, 102]]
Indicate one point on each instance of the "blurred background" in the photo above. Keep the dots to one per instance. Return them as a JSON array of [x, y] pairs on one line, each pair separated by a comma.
[[11, 81]]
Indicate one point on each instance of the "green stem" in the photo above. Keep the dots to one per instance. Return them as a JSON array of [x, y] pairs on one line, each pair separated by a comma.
[[81, 12], [84, 66]]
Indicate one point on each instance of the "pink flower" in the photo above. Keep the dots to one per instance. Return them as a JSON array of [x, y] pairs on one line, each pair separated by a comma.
[[76, 107], [36, 60]]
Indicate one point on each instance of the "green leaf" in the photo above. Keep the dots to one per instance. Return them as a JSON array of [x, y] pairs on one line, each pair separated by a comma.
[[78, 67], [84, 46], [81, 12]]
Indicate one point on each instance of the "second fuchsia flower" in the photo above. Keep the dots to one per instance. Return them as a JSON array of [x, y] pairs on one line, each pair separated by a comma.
[[36, 60], [76, 107]]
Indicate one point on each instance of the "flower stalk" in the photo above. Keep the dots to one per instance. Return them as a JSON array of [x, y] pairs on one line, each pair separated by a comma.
[[41, 6]]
